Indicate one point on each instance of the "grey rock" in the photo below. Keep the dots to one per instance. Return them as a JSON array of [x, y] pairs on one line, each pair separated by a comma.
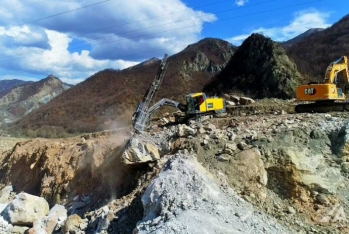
[[230, 148], [208, 209], [185, 131], [53, 221], [25, 209], [291, 210]]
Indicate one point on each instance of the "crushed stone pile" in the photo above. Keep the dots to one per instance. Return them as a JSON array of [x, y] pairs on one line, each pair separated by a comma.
[[185, 198]]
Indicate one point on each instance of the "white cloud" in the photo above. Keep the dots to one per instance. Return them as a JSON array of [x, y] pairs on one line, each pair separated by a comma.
[[303, 21], [69, 67], [111, 34], [241, 2], [23, 36], [237, 40]]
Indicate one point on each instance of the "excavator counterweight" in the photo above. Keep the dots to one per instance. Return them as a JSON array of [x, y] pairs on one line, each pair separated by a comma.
[[328, 95]]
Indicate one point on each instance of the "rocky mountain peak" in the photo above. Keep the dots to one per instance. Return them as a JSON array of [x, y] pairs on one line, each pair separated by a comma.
[[260, 68], [209, 44], [51, 78], [207, 55]]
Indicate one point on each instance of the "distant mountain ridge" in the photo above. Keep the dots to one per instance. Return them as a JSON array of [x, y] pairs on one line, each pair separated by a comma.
[[22, 99], [302, 36], [314, 53], [108, 98], [7, 85]]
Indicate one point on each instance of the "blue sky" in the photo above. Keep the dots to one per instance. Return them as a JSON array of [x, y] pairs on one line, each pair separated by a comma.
[[74, 39]]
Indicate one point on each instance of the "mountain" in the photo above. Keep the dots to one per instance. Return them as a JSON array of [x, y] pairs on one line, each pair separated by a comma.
[[7, 85], [259, 68], [23, 99], [108, 98], [314, 53], [302, 36]]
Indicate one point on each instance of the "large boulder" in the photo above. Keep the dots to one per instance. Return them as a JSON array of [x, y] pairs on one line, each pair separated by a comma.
[[250, 167], [25, 209], [312, 170], [303, 167], [139, 151]]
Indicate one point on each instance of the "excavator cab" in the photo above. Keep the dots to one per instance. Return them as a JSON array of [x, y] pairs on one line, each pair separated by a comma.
[[194, 102], [199, 103]]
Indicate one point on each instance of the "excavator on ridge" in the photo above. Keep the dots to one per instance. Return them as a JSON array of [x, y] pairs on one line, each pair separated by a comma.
[[197, 104], [328, 95]]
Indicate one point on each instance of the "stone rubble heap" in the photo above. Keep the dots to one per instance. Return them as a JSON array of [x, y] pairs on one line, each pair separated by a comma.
[[184, 198], [275, 173]]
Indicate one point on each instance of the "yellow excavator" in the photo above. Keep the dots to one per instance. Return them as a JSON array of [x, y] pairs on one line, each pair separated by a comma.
[[328, 95], [197, 104]]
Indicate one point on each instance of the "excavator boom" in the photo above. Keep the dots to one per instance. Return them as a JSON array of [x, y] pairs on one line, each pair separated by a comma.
[[140, 117]]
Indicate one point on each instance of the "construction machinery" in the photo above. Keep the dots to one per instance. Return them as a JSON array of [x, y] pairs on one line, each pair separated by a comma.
[[197, 104], [328, 95]]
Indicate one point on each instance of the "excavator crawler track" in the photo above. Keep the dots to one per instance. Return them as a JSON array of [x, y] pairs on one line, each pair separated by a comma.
[[322, 107]]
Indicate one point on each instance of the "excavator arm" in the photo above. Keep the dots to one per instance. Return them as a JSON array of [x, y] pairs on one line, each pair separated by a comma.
[[335, 68], [143, 112], [166, 102], [140, 124]]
